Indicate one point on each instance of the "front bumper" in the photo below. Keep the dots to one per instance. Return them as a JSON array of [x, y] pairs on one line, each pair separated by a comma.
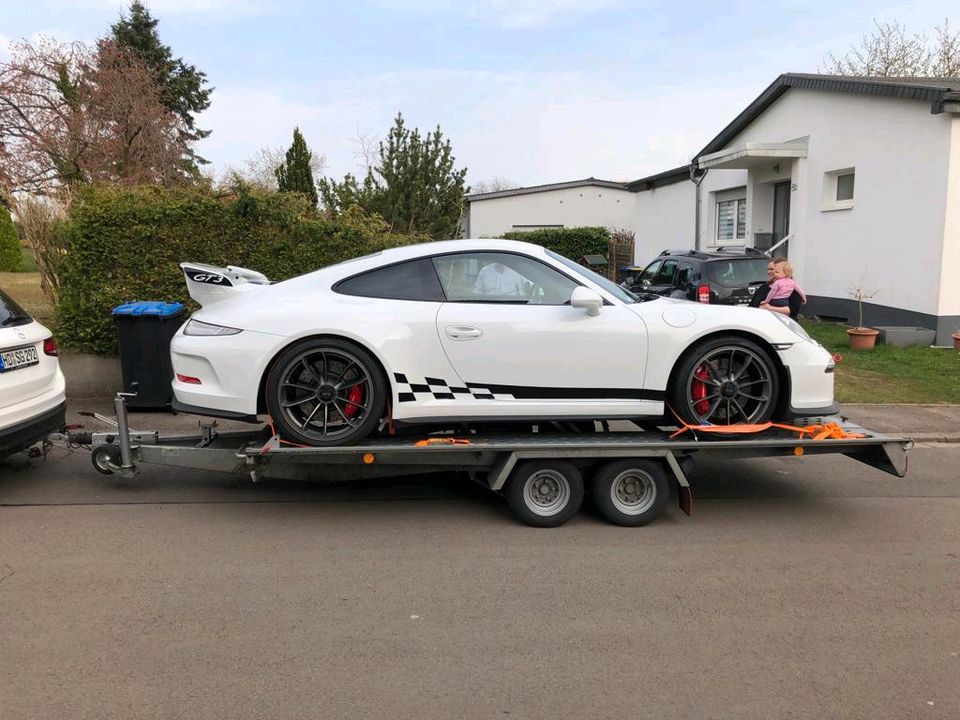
[[810, 370]]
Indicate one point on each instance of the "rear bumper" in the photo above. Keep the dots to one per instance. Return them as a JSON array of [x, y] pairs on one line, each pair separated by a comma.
[[179, 407], [22, 435]]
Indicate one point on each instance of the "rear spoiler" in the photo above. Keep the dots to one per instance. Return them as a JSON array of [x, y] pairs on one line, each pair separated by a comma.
[[208, 284]]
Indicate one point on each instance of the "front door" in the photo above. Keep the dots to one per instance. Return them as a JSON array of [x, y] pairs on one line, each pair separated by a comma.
[[781, 216], [517, 344]]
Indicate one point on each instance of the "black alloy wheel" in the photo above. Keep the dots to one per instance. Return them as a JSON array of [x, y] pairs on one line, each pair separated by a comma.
[[325, 392], [725, 381]]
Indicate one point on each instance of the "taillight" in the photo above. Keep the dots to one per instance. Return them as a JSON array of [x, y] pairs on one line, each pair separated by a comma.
[[703, 294], [50, 347], [189, 380]]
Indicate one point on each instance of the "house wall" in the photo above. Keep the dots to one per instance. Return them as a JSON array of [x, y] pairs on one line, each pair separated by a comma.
[[569, 207], [892, 239], [664, 218], [949, 308]]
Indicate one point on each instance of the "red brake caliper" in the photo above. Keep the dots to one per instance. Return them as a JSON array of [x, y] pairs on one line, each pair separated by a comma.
[[698, 390], [355, 396]]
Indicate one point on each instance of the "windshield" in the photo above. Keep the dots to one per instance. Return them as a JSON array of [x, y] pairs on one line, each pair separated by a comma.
[[608, 285], [10, 313], [738, 272]]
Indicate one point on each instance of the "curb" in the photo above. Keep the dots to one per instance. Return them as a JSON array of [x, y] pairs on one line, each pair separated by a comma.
[[934, 437]]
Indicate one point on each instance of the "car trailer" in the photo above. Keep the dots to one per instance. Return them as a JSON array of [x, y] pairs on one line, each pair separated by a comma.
[[540, 474]]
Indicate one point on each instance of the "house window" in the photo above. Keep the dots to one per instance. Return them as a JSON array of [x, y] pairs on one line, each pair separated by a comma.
[[732, 220], [845, 187], [838, 189]]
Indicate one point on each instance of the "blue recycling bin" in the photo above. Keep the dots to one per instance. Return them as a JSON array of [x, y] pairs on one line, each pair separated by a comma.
[[145, 330]]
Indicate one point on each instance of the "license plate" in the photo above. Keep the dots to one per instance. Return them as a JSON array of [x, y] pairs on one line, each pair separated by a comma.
[[17, 358]]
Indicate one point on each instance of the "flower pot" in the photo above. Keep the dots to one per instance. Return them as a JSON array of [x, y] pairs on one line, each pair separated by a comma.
[[862, 338], [956, 340]]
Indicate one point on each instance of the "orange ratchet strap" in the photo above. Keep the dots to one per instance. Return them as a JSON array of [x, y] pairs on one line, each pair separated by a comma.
[[442, 441], [819, 431]]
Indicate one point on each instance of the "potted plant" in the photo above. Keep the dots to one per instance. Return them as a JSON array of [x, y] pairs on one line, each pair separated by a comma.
[[862, 338], [956, 339]]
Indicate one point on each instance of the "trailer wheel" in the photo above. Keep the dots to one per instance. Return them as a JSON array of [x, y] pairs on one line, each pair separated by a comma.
[[103, 456], [631, 493], [545, 493]]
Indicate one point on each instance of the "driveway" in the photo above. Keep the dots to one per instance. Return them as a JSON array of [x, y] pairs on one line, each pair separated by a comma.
[[813, 587]]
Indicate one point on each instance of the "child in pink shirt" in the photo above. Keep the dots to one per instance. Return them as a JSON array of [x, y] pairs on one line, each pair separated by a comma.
[[782, 287]]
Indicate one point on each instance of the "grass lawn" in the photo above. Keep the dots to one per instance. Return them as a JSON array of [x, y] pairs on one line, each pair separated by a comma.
[[24, 287], [922, 375]]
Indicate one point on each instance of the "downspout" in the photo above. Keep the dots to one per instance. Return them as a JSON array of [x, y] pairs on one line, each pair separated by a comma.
[[696, 177]]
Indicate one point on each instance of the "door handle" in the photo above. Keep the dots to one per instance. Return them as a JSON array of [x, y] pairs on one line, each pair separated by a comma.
[[462, 332]]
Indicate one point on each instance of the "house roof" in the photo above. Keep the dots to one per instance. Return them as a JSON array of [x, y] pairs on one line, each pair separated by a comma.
[[667, 177], [936, 91], [586, 182]]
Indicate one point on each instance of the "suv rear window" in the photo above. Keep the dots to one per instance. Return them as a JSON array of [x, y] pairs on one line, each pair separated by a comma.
[[11, 314], [737, 272]]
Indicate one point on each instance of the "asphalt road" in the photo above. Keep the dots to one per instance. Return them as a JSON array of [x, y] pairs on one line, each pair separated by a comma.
[[813, 588]]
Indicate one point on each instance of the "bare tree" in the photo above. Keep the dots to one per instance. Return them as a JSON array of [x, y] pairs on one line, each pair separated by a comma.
[[890, 51], [133, 138], [259, 170], [496, 184], [368, 150], [945, 59], [70, 115]]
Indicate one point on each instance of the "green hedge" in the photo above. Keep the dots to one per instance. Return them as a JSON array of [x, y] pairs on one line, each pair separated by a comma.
[[11, 253], [573, 243], [126, 244]]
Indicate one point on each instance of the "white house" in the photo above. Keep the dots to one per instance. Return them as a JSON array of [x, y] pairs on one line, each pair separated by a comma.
[[567, 204], [861, 174]]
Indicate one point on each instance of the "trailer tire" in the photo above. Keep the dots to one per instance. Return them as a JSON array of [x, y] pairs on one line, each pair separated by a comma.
[[103, 456], [631, 493], [545, 493]]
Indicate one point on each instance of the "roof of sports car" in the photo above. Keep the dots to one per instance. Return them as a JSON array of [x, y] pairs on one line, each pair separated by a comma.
[[438, 247], [331, 273]]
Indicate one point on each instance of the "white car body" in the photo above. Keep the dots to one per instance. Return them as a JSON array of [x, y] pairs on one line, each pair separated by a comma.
[[32, 388], [473, 361]]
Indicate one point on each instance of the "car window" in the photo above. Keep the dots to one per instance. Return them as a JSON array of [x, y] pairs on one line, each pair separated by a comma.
[[667, 270], [651, 271], [11, 314], [683, 276], [501, 277], [411, 280], [738, 272]]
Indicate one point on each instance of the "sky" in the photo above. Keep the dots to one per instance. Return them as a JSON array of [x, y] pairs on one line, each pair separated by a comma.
[[529, 91]]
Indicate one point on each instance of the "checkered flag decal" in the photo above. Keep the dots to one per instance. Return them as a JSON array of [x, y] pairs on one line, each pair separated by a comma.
[[438, 389]]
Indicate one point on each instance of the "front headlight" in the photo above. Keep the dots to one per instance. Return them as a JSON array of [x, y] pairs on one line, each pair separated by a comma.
[[195, 327], [796, 327]]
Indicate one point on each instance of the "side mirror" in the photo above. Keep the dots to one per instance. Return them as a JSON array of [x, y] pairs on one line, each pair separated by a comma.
[[588, 299]]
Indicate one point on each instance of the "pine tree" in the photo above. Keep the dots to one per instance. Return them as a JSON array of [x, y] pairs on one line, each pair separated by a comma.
[[181, 85], [414, 186], [295, 175]]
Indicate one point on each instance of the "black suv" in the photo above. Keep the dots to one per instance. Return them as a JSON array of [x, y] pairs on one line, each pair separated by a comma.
[[723, 277]]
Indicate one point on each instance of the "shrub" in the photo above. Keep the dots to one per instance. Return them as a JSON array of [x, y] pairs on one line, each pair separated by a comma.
[[11, 253], [572, 243], [126, 244]]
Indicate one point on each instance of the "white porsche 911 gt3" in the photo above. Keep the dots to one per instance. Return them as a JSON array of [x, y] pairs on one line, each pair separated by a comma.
[[479, 330]]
